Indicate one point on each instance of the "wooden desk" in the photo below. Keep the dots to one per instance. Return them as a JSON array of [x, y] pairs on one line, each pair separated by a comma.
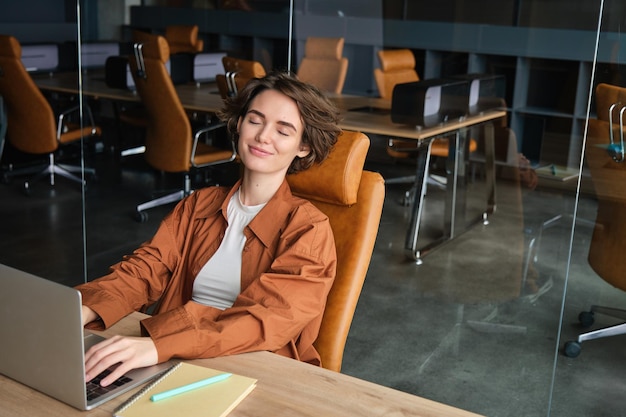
[[285, 387], [373, 116], [375, 119], [202, 97]]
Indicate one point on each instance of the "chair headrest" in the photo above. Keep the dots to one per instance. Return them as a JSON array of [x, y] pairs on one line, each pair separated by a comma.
[[324, 48], [396, 59], [156, 47], [187, 34], [245, 68], [10, 47], [336, 180]]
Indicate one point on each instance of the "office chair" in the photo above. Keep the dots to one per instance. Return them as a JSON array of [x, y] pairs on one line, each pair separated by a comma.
[[323, 64], [237, 72], [397, 66], [352, 199], [171, 146], [605, 159], [183, 38], [32, 127]]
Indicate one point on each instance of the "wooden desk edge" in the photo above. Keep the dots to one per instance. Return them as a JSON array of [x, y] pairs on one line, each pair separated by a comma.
[[278, 375], [285, 387]]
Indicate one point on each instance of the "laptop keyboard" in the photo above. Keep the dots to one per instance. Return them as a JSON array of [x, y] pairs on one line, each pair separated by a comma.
[[94, 390]]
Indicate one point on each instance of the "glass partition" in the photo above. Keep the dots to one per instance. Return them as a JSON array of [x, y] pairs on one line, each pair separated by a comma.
[[476, 322], [594, 273], [472, 307], [42, 229]]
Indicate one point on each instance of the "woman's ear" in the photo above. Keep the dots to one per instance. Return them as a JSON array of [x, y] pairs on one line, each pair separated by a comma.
[[305, 149]]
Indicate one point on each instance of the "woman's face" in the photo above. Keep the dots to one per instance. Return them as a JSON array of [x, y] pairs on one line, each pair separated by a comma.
[[270, 134]]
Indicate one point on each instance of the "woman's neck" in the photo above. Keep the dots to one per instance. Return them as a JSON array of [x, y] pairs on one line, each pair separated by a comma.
[[258, 189]]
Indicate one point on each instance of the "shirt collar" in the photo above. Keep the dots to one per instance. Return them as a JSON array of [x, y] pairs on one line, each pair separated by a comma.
[[264, 224]]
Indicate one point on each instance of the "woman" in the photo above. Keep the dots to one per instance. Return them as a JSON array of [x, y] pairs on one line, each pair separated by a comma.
[[232, 270]]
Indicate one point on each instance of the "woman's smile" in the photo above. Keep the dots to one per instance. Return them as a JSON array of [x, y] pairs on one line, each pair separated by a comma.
[[256, 151]]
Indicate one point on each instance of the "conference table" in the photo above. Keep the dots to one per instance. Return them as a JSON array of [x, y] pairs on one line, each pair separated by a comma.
[[366, 114], [285, 387]]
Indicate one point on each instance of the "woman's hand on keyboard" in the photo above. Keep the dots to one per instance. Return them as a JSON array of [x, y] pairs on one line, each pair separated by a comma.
[[128, 352]]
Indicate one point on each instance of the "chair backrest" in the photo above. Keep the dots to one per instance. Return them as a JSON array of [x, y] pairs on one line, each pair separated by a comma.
[[168, 134], [323, 64], [183, 38], [243, 69], [352, 199], [397, 66], [609, 180], [31, 123]]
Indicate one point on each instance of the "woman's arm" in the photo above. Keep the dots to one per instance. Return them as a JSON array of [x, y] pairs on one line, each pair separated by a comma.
[[140, 279], [88, 315]]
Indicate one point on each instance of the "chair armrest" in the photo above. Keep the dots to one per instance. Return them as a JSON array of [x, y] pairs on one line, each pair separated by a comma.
[[62, 127], [204, 130]]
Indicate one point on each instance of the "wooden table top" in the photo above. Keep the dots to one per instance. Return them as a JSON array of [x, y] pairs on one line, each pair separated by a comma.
[[363, 114], [285, 387], [199, 97]]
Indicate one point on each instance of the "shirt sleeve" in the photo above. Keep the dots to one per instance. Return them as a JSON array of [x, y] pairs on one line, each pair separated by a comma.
[[139, 279], [270, 313]]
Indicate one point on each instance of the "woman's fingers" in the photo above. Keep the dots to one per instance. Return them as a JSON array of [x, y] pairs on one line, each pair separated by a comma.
[[127, 352]]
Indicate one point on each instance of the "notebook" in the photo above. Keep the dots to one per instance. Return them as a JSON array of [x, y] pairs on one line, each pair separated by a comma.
[[43, 341], [214, 400]]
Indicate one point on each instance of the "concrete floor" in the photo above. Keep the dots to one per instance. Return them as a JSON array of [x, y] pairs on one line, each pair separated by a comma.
[[469, 327]]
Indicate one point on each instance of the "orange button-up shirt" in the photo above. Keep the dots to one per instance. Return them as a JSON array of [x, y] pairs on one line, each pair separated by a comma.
[[288, 267]]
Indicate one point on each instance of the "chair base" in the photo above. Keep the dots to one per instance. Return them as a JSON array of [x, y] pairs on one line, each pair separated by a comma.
[[50, 170], [173, 197], [572, 348]]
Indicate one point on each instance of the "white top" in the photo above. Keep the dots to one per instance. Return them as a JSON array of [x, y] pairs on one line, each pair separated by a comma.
[[219, 281]]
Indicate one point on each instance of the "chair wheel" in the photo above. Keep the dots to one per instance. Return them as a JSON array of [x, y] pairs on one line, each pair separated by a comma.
[[586, 318], [572, 349], [141, 216]]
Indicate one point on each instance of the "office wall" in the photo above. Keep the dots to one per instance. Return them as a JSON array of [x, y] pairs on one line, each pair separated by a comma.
[[555, 14], [112, 16], [39, 20]]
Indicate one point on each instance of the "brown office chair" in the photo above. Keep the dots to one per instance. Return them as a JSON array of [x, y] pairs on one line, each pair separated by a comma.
[[397, 66], [352, 199], [171, 146], [237, 72], [132, 117], [32, 127], [323, 64], [607, 167], [183, 38]]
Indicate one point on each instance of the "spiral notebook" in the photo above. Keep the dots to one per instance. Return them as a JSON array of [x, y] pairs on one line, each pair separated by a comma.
[[215, 400]]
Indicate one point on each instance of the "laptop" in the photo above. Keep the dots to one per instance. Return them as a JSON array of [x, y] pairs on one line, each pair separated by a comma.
[[43, 341]]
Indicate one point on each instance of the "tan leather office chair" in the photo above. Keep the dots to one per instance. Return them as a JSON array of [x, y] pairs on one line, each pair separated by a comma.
[[32, 126], [352, 199], [183, 38], [397, 66], [237, 72], [608, 174], [323, 64], [171, 146]]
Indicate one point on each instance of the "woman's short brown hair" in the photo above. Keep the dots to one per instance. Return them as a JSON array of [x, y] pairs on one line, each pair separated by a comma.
[[319, 115]]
